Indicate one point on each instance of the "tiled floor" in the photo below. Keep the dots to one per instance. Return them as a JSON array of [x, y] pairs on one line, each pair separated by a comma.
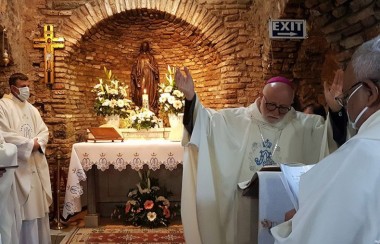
[[76, 221], [58, 235]]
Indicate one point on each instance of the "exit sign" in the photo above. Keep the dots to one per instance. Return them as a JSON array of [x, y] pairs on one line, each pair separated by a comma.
[[287, 29]]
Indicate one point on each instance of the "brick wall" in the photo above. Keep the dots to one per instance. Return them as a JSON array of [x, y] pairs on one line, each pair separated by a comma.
[[225, 44]]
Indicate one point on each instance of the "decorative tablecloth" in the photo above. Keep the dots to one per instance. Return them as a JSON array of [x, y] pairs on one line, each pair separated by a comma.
[[135, 153]]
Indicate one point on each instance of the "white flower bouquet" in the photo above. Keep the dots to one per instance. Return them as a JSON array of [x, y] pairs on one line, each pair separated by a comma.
[[142, 118], [171, 100], [111, 97]]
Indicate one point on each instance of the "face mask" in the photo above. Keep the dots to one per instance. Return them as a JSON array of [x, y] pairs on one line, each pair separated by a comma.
[[353, 124], [24, 93]]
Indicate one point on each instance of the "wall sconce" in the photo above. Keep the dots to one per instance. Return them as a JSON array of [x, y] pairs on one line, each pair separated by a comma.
[[5, 55]]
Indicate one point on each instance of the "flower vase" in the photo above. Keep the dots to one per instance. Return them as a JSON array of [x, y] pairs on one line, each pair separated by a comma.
[[176, 126], [113, 120]]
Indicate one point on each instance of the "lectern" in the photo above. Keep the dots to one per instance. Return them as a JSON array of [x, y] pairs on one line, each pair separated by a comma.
[[274, 201]]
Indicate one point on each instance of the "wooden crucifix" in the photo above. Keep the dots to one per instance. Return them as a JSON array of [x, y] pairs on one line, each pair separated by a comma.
[[49, 43]]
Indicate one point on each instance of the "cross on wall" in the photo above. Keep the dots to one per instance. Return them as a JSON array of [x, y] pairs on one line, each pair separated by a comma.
[[49, 43]]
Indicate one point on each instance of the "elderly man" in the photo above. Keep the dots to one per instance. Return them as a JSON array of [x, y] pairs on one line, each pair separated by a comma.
[[339, 200], [22, 125], [228, 146]]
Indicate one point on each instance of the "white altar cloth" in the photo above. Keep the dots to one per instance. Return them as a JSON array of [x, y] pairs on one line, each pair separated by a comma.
[[135, 153]]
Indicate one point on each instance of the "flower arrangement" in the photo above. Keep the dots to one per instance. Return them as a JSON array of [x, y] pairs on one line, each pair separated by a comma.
[[148, 205], [171, 100], [111, 96], [142, 118]]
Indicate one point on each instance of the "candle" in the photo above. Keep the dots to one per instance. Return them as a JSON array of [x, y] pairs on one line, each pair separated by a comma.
[[145, 100]]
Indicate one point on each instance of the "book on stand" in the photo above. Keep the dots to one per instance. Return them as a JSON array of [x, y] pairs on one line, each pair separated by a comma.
[[250, 187], [290, 177]]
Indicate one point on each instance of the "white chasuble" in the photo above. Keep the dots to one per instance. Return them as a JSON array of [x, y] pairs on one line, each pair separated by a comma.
[[10, 216], [228, 147], [20, 123], [339, 197]]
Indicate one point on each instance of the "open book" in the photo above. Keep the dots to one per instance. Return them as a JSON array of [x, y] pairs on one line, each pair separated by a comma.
[[290, 178], [291, 174]]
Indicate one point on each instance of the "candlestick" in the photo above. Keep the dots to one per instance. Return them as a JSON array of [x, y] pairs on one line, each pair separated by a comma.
[[145, 100]]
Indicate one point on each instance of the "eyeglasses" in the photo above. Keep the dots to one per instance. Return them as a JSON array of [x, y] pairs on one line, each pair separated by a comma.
[[272, 107], [345, 96]]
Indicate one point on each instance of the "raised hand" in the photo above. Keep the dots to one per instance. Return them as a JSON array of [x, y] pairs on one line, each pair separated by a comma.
[[185, 83], [336, 89]]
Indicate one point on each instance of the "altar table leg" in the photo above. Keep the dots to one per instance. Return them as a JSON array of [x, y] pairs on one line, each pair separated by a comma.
[[92, 217]]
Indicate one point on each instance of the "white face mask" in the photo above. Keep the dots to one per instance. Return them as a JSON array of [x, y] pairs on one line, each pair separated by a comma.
[[24, 93], [353, 124]]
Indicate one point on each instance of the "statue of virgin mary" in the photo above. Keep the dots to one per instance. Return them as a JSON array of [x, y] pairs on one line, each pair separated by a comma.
[[145, 77]]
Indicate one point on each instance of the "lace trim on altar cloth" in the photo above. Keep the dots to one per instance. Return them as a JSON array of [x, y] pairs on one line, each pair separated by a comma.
[[74, 190], [136, 163]]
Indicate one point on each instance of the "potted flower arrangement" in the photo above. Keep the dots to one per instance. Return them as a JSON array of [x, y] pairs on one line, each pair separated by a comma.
[[142, 118], [111, 97], [148, 204], [171, 100]]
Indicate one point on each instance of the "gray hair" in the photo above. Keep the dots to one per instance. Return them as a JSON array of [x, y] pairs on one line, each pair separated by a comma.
[[366, 60]]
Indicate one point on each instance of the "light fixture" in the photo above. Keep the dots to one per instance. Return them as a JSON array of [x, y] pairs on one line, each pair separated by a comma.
[[5, 51]]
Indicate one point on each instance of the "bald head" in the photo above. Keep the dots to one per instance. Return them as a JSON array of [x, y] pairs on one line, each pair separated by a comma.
[[279, 92], [279, 95]]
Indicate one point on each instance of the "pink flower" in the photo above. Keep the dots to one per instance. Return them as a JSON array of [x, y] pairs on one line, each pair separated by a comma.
[[127, 207], [166, 212], [148, 204]]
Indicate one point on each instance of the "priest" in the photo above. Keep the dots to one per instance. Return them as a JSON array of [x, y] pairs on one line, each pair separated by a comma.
[[22, 125], [339, 200], [10, 218], [223, 148]]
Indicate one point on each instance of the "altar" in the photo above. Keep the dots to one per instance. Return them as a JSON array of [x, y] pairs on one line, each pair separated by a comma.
[[90, 160]]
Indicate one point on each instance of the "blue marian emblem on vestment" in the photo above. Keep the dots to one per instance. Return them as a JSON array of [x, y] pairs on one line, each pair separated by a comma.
[[264, 155]]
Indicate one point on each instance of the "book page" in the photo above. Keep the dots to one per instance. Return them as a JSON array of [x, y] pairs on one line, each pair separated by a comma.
[[291, 175]]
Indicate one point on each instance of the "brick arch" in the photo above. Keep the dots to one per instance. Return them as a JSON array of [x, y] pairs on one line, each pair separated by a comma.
[[207, 33], [90, 14]]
